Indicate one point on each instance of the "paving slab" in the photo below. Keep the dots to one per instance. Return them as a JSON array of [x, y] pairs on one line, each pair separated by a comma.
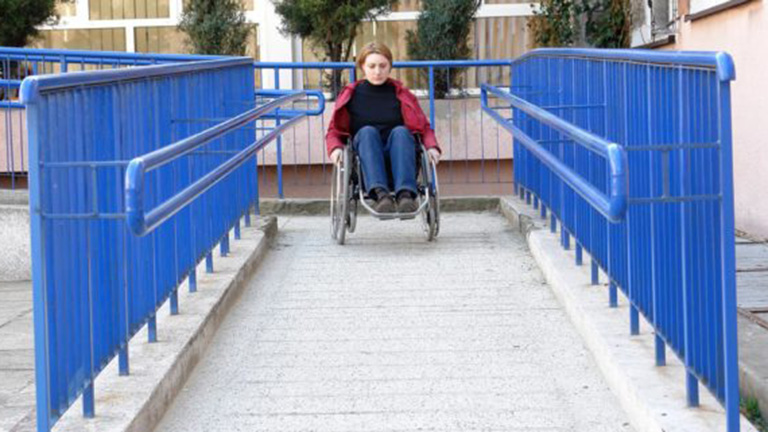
[[393, 333]]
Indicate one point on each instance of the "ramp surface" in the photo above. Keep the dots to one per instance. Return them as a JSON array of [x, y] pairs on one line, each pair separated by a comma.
[[391, 333]]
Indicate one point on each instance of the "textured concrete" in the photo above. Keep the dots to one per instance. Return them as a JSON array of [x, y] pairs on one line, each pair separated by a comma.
[[14, 197], [158, 370], [317, 207], [653, 397], [17, 376], [752, 281], [390, 332], [15, 264]]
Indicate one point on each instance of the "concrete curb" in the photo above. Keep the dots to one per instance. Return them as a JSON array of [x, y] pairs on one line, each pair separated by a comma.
[[309, 207], [14, 197], [653, 397], [138, 402]]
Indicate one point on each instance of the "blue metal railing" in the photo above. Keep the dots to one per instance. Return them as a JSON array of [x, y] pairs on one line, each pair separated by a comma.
[[98, 137], [18, 63], [457, 119], [672, 252]]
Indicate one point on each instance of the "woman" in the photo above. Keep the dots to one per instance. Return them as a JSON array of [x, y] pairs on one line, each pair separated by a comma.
[[381, 116]]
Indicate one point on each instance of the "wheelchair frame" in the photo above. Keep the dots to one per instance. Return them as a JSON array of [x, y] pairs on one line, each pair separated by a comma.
[[347, 194]]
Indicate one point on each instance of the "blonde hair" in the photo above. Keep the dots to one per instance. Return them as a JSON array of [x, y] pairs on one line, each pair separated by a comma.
[[373, 48]]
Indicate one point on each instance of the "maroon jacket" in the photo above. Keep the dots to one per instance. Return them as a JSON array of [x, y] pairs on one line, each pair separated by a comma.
[[413, 117]]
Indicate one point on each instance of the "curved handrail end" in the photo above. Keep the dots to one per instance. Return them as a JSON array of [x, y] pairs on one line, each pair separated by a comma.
[[134, 202], [726, 70], [30, 90]]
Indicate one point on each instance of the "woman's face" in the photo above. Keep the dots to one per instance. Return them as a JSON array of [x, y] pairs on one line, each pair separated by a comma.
[[376, 68]]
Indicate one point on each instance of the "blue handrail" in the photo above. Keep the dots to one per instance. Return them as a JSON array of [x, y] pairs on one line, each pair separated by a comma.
[[614, 206], [722, 62], [40, 54], [139, 221]]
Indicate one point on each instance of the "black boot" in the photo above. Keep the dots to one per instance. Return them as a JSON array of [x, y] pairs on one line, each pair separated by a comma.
[[384, 203], [406, 202]]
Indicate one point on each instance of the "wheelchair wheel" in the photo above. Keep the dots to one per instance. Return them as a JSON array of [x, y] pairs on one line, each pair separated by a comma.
[[340, 198], [354, 186], [430, 217]]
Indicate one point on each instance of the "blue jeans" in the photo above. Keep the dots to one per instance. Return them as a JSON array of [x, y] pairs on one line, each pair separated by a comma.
[[377, 159]]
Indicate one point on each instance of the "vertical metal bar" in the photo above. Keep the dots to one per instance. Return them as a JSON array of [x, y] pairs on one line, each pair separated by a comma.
[[613, 295], [237, 229], [692, 389], [209, 262], [43, 388], [728, 263], [595, 273], [279, 147], [565, 238], [535, 202], [432, 96], [579, 259], [543, 210], [123, 360], [88, 401], [152, 329], [224, 244], [661, 351], [552, 222], [634, 320], [192, 280], [174, 301]]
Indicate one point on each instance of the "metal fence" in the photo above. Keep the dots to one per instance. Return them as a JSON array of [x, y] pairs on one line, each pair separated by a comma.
[[19, 63], [672, 251], [474, 154], [158, 147]]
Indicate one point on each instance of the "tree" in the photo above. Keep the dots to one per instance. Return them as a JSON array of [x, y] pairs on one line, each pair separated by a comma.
[[603, 23], [216, 26], [553, 24], [442, 33], [19, 20], [330, 25]]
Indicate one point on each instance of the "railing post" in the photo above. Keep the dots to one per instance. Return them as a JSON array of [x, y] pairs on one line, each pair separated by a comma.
[[728, 263], [279, 148], [192, 280], [543, 211], [152, 329], [123, 360], [174, 303], [613, 295], [634, 320], [692, 389], [535, 202], [89, 410], [661, 351], [552, 222], [237, 229], [565, 239], [224, 244], [209, 262], [432, 95], [595, 272], [579, 259]]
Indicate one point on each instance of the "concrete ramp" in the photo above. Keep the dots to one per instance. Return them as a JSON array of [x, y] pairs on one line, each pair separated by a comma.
[[391, 333]]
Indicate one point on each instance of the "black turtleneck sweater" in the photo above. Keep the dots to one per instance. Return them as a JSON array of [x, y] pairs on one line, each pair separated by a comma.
[[377, 106]]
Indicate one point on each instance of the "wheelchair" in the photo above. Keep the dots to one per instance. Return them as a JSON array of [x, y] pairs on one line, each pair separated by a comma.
[[348, 193]]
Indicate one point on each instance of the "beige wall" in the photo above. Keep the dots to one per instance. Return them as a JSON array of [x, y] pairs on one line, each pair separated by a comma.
[[17, 135], [742, 32]]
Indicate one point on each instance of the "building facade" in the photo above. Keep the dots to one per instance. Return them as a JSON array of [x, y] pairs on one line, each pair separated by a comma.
[[740, 28]]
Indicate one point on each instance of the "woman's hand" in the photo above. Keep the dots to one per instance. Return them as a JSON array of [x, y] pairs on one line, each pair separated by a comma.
[[434, 155], [336, 156]]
